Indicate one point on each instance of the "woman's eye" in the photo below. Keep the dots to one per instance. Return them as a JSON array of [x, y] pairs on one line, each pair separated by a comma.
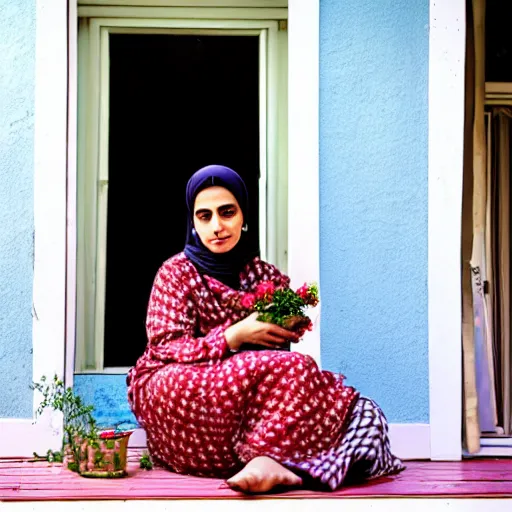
[[204, 217], [228, 213]]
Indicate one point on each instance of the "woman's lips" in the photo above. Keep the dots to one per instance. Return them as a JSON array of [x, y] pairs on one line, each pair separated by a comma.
[[218, 241]]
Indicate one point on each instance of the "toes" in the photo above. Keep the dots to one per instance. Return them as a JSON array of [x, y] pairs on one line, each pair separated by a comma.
[[238, 483], [236, 487], [251, 482], [254, 482], [258, 479], [245, 481], [292, 480]]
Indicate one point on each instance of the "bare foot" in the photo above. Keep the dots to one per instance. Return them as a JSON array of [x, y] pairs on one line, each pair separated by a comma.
[[262, 474]]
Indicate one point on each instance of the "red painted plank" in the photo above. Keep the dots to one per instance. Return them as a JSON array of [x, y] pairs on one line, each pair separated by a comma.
[[165, 493], [412, 489], [41, 481]]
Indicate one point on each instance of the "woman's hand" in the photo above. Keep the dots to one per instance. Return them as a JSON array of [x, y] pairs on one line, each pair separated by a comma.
[[251, 330]]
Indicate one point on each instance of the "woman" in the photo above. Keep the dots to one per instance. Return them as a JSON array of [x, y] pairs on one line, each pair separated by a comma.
[[261, 418]]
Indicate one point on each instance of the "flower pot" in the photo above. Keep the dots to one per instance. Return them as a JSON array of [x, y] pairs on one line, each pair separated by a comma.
[[104, 457]]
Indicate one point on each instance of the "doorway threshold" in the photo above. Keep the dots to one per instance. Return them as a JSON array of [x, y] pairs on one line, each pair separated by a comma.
[[493, 447]]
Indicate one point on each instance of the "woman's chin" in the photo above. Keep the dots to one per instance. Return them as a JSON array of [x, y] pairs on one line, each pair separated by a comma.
[[220, 249]]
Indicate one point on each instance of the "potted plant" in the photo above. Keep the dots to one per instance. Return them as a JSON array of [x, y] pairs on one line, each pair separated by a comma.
[[87, 449]]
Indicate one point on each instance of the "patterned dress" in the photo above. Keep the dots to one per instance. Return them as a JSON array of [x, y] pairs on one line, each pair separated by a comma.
[[207, 410]]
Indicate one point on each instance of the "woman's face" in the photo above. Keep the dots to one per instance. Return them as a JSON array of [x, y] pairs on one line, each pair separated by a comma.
[[218, 219]]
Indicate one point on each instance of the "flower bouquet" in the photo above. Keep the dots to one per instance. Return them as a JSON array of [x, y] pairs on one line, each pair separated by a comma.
[[282, 306]]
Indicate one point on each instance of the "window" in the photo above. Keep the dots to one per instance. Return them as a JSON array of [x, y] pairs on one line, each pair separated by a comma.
[[159, 98]]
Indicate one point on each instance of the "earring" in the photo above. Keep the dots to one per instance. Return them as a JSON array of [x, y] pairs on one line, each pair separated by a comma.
[[245, 228], [194, 232]]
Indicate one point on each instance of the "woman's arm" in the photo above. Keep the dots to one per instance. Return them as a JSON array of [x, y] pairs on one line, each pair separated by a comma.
[[172, 319], [171, 323]]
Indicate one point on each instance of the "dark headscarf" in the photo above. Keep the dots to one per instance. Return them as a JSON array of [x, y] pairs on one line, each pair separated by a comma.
[[224, 267]]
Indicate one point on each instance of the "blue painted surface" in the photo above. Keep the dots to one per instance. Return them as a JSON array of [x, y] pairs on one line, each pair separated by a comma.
[[108, 394], [373, 199], [17, 58]]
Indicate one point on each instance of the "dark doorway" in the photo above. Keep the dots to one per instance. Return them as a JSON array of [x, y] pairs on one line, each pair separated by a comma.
[[177, 103], [498, 41]]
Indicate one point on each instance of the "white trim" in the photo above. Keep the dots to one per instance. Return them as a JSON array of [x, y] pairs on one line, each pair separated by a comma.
[[78, 318], [446, 133], [137, 439], [50, 143], [263, 113], [274, 144], [102, 183], [187, 25], [182, 12], [493, 447], [496, 441], [122, 29], [370, 504], [109, 370], [282, 164], [23, 437], [50, 173], [71, 263], [303, 157], [189, 3], [491, 451], [410, 441]]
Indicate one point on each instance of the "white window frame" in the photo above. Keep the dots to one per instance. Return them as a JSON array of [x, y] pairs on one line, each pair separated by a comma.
[[93, 105], [184, 3]]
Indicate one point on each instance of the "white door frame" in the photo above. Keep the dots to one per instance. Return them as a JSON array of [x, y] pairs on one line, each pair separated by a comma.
[[446, 118], [447, 46]]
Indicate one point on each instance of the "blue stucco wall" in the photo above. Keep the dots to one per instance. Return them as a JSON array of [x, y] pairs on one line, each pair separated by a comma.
[[17, 49], [373, 199]]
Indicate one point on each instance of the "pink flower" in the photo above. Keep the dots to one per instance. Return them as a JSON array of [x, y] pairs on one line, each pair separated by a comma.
[[309, 294], [114, 434], [248, 300], [107, 434], [303, 291], [265, 289]]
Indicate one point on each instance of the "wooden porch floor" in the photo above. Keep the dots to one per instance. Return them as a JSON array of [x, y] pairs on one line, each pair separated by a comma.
[[34, 481]]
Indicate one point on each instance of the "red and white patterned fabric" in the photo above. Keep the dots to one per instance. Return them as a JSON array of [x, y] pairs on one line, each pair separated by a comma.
[[206, 410]]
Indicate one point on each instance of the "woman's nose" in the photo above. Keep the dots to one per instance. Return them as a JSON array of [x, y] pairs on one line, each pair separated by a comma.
[[216, 224]]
